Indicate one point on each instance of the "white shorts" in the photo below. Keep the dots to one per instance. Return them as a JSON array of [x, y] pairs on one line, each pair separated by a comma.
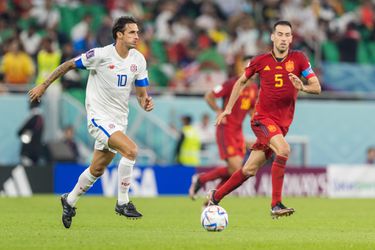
[[101, 130]]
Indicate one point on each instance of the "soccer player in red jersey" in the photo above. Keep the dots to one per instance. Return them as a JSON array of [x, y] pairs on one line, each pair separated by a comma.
[[229, 136], [279, 72]]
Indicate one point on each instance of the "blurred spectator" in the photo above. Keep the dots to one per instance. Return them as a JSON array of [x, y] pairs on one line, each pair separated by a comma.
[[81, 30], [47, 60], [348, 44], [30, 135], [189, 145], [127, 8], [370, 155], [206, 131], [31, 40], [17, 66], [6, 31], [104, 33], [167, 11], [70, 142], [46, 15]]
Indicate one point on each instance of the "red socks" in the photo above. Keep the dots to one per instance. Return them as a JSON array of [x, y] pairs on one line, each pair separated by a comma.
[[277, 173], [233, 182], [213, 175]]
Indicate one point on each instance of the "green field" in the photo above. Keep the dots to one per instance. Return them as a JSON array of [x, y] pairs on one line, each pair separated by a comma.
[[174, 223]]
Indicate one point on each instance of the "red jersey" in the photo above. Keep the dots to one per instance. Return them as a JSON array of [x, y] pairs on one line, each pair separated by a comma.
[[244, 103], [277, 95]]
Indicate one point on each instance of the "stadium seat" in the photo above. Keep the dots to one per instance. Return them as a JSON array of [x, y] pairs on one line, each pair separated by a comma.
[[330, 51], [371, 51], [362, 54]]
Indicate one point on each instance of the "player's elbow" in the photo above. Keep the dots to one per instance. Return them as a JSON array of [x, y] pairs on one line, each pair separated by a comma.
[[209, 96], [318, 89]]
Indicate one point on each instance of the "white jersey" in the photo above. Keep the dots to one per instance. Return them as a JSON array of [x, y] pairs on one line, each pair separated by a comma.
[[110, 82]]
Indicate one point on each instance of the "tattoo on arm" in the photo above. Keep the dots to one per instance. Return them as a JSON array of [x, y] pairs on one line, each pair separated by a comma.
[[59, 71]]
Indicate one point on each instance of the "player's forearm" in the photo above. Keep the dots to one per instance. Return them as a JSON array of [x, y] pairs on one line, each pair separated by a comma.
[[141, 94], [313, 86], [58, 72], [210, 99], [238, 86]]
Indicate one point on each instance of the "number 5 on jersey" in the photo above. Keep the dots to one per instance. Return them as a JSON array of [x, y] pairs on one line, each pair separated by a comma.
[[121, 80], [279, 82]]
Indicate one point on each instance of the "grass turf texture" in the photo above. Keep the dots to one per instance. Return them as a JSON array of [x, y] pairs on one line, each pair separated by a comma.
[[174, 223]]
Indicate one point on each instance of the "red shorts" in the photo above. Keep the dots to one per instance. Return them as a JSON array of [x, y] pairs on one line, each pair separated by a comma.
[[264, 130], [230, 141]]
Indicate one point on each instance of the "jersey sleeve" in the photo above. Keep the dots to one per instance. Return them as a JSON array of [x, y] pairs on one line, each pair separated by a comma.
[[89, 60], [306, 69], [142, 75], [252, 68], [223, 90]]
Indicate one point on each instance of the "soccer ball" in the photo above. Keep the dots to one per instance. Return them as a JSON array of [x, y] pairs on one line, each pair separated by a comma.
[[214, 218]]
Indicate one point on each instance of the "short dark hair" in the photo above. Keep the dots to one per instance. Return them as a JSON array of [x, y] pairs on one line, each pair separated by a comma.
[[120, 23], [282, 22]]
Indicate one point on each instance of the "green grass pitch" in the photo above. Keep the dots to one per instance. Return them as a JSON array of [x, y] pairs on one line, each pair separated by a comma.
[[174, 223]]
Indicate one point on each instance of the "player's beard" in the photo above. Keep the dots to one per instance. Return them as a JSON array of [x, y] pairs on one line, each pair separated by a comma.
[[282, 50]]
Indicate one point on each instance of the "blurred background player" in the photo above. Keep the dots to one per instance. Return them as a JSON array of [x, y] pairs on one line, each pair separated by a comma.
[[113, 70], [229, 135], [279, 72]]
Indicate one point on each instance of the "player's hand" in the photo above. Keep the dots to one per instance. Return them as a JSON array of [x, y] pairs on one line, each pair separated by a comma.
[[221, 117], [297, 83], [149, 104], [36, 93]]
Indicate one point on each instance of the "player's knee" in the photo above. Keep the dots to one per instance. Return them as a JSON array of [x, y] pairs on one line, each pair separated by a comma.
[[131, 153], [285, 151], [249, 171]]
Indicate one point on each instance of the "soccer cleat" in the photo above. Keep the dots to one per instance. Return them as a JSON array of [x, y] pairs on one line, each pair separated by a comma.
[[128, 210], [211, 199], [194, 187], [280, 210], [68, 211]]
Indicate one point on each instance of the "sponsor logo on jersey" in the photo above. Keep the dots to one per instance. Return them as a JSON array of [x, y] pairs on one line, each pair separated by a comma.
[[90, 54], [133, 68], [271, 128], [267, 68], [289, 66]]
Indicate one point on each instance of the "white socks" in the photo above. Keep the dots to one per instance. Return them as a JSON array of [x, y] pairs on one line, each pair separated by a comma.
[[125, 170], [86, 180], [84, 183]]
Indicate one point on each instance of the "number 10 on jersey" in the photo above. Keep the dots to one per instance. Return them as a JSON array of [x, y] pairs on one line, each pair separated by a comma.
[[121, 80]]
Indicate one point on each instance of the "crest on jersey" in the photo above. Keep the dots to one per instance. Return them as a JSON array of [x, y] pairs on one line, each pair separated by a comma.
[[271, 128], [133, 68], [90, 54], [111, 126], [111, 66], [289, 66]]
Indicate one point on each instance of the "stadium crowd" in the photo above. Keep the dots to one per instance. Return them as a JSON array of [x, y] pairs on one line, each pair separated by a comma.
[[189, 45]]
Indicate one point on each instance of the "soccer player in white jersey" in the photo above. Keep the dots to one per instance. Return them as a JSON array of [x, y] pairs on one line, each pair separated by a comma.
[[113, 71]]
